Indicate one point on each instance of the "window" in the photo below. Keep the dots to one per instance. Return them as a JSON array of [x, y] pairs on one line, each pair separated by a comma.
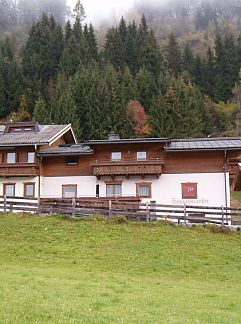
[[11, 157], [113, 190], [72, 160], [9, 189], [189, 190], [31, 157], [143, 189], [29, 189], [69, 191], [141, 155], [116, 156], [97, 191]]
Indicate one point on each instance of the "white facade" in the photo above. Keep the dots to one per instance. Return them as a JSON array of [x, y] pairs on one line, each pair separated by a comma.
[[167, 189], [19, 184]]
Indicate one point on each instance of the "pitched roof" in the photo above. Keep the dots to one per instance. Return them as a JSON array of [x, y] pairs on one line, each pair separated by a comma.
[[128, 141], [46, 135], [205, 144], [65, 149]]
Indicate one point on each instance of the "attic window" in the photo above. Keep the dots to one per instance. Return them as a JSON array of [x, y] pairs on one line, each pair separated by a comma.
[[21, 129]]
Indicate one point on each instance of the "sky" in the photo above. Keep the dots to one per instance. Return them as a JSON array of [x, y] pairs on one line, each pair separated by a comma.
[[97, 10]]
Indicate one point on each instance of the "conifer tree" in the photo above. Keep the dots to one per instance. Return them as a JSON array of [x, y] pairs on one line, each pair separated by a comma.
[[41, 112], [41, 55], [173, 56], [66, 112], [188, 59], [147, 88]]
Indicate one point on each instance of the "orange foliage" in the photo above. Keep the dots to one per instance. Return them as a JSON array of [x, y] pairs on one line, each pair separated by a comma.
[[140, 118]]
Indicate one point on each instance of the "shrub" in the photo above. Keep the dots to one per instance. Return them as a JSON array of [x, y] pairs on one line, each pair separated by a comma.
[[218, 229], [119, 219]]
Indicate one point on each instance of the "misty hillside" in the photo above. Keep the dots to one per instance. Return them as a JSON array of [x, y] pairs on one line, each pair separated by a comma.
[[196, 21], [173, 71]]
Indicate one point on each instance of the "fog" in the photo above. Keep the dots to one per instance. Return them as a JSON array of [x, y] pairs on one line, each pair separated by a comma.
[[97, 11]]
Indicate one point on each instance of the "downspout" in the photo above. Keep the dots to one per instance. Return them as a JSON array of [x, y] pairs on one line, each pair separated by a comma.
[[225, 179], [39, 163]]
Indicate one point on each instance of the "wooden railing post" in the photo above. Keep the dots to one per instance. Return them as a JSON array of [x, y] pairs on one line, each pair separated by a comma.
[[110, 209], [147, 213], [222, 213], [185, 213], [73, 207], [5, 203]]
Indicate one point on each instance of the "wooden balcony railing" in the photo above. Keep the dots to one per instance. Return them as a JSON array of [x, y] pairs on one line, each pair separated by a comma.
[[18, 169], [127, 167]]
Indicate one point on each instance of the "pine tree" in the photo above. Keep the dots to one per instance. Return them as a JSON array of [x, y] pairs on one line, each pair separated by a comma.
[[22, 113], [147, 88], [131, 48], [227, 70], [91, 42], [41, 113], [68, 31], [173, 56], [210, 74], [188, 59], [41, 55], [66, 112], [114, 51]]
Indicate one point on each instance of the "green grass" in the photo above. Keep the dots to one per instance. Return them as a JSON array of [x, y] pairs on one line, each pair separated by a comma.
[[57, 271]]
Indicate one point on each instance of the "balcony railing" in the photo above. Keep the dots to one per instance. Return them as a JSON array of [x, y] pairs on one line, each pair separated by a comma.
[[128, 167], [18, 169]]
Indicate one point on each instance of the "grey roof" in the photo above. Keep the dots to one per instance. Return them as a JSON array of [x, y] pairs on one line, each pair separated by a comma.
[[205, 144], [128, 141], [75, 149], [44, 136]]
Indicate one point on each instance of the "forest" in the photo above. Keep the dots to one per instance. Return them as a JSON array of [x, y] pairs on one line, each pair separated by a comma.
[[141, 81]]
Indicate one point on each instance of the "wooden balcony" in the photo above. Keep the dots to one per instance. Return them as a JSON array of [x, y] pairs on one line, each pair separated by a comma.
[[128, 168], [18, 170]]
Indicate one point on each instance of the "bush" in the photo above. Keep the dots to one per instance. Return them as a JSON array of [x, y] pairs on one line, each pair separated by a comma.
[[218, 229], [120, 219]]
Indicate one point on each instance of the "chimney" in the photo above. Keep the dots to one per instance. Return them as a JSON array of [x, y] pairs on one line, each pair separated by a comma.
[[113, 137]]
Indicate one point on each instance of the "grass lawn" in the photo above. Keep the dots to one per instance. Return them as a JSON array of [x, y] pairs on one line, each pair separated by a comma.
[[57, 271]]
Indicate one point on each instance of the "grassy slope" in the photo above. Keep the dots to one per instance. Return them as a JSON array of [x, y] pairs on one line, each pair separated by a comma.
[[57, 271]]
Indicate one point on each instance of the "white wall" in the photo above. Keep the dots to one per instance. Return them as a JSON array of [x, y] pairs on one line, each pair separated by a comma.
[[19, 184], [165, 190], [52, 186]]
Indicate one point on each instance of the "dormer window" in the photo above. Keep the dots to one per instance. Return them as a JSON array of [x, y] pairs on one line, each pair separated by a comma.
[[22, 127], [116, 156]]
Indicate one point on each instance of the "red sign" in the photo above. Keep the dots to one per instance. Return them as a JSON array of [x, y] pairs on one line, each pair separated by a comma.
[[189, 190]]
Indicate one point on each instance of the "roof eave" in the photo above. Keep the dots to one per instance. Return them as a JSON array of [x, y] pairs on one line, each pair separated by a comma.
[[62, 132], [63, 154], [204, 149]]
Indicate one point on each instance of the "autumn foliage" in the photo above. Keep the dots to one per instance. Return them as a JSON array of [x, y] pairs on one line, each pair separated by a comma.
[[140, 118]]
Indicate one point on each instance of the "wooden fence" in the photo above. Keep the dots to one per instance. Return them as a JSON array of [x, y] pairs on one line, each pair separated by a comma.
[[135, 210], [19, 204], [131, 208]]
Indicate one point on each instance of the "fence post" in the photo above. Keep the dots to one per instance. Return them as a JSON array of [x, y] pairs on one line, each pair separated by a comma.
[[222, 215], [73, 207], [185, 213], [110, 207], [5, 203], [147, 213]]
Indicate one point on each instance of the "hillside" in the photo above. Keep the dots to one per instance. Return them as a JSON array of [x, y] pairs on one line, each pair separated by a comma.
[[55, 270], [172, 72]]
